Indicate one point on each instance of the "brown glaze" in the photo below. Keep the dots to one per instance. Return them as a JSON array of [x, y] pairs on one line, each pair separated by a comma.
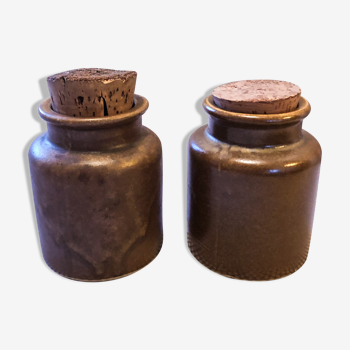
[[257, 96], [92, 92], [252, 183], [97, 185]]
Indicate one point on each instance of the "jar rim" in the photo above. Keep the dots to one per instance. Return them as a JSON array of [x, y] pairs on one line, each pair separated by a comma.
[[49, 115], [298, 114]]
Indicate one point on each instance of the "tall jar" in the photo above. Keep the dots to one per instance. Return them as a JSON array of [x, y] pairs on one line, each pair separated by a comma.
[[252, 183], [97, 185]]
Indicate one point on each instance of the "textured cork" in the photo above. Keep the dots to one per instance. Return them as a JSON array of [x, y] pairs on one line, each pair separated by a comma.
[[92, 92], [257, 96]]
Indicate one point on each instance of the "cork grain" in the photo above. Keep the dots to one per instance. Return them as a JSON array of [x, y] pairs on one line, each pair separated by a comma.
[[257, 96], [93, 74], [92, 92]]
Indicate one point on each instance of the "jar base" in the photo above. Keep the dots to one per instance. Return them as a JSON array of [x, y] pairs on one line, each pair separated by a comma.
[[197, 256], [105, 279]]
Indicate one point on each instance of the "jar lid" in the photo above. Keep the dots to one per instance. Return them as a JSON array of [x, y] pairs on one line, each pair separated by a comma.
[[257, 96], [92, 92]]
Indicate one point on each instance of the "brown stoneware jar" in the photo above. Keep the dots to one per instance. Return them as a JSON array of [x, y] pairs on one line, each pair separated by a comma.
[[97, 178], [252, 183]]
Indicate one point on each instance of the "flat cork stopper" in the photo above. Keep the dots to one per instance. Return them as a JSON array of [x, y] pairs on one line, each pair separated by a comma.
[[92, 92], [257, 96]]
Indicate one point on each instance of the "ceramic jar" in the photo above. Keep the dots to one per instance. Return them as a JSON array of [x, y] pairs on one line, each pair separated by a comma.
[[252, 183], [97, 185]]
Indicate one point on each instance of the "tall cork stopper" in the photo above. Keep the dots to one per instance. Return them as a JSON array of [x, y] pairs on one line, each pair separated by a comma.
[[257, 96], [92, 92]]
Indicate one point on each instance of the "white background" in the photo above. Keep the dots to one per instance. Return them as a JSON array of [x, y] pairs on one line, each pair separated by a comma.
[[181, 50]]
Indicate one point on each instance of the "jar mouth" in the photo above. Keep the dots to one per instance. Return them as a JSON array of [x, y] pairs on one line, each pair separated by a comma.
[[298, 114], [49, 115]]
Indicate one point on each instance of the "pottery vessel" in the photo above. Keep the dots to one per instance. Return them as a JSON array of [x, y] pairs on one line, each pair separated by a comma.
[[97, 185], [252, 183]]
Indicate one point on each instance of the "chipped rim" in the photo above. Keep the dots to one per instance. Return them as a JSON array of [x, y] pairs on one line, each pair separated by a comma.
[[301, 112], [49, 115]]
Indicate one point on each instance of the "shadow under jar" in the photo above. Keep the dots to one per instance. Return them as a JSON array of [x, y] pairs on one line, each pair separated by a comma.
[[97, 185], [252, 183]]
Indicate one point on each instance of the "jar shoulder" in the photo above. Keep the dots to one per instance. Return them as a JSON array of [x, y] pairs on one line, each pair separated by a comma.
[[147, 149], [303, 154]]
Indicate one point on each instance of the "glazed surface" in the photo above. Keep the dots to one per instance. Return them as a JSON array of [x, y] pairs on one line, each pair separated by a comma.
[[250, 210], [99, 213]]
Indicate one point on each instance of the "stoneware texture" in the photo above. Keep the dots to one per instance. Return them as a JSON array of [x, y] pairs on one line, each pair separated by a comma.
[[97, 185], [252, 183]]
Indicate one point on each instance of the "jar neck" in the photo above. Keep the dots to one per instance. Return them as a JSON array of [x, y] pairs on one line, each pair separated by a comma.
[[95, 139], [256, 130], [94, 134], [254, 136]]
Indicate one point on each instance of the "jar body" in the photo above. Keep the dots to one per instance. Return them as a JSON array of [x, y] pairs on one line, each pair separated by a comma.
[[250, 210], [99, 213]]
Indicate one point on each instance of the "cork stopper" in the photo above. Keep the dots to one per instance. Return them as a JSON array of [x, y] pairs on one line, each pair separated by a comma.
[[92, 92], [257, 96]]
